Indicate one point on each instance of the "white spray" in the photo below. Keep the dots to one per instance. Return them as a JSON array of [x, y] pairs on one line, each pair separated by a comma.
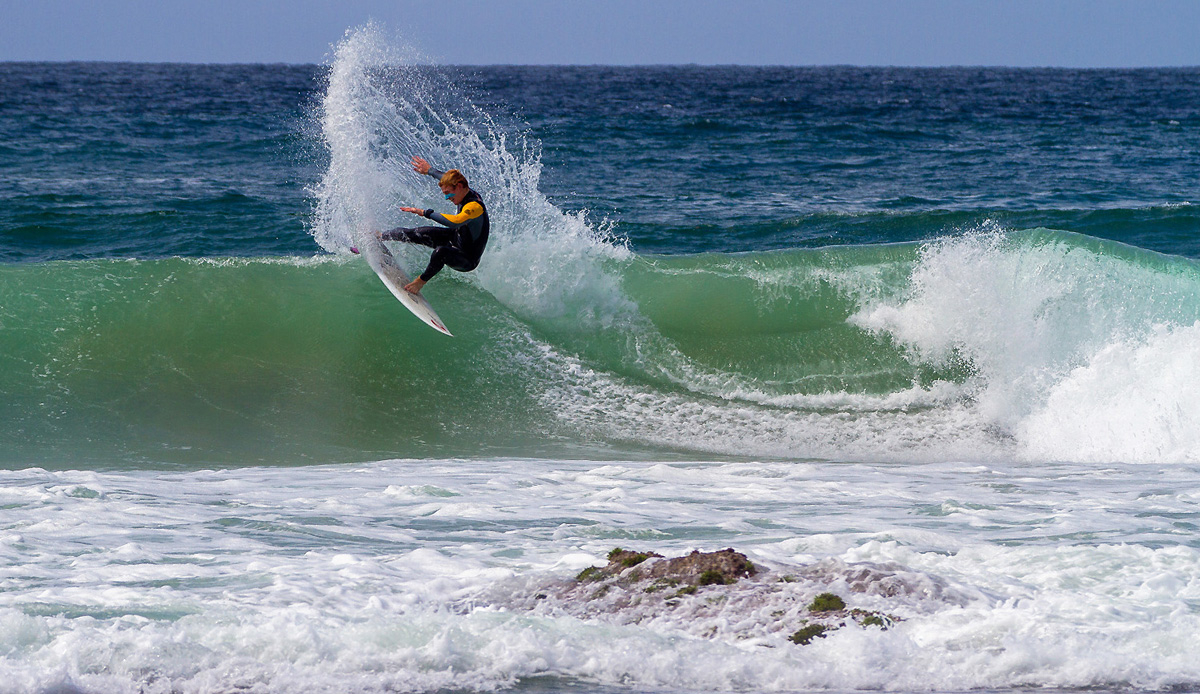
[[382, 107]]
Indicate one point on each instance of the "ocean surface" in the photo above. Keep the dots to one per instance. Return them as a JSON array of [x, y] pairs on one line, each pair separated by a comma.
[[941, 325]]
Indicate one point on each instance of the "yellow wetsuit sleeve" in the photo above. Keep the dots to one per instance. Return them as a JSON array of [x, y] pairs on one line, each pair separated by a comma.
[[469, 211]]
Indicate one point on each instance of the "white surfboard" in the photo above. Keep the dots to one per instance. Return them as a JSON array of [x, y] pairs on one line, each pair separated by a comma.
[[384, 264]]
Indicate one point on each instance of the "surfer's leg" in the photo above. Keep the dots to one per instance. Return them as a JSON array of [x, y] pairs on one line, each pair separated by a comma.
[[448, 255], [397, 234], [425, 236]]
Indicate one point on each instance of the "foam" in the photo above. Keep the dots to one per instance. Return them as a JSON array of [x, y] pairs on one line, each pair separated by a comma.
[[604, 404], [1133, 401], [1047, 324], [370, 578]]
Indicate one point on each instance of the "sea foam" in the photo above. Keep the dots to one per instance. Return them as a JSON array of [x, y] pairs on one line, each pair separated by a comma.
[[424, 575]]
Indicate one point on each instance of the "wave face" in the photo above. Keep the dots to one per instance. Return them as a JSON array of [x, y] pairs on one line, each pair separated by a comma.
[[1040, 344]]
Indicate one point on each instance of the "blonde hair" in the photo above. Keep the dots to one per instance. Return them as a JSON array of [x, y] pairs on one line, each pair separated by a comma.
[[453, 178]]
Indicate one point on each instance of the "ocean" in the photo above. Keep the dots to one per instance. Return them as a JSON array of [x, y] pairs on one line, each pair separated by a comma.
[[927, 339]]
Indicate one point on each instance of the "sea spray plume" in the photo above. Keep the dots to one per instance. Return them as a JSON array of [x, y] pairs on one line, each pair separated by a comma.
[[380, 107], [356, 181]]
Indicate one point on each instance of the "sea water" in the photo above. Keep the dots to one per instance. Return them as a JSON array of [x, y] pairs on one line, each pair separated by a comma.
[[938, 324]]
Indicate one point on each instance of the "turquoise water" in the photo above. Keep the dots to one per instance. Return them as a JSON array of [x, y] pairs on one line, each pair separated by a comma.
[[303, 360], [942, 321]]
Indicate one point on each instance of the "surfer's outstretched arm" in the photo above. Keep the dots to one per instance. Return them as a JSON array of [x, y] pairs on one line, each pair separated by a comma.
[[422, 167], [470, 211]]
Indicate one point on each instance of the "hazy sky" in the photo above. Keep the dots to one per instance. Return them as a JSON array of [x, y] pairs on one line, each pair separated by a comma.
[[1068, 33]]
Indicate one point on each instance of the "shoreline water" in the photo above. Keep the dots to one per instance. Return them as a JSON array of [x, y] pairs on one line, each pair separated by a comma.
[[227, 576]]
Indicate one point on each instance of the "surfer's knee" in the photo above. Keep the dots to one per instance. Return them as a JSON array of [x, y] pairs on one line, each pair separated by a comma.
[[397, 234]]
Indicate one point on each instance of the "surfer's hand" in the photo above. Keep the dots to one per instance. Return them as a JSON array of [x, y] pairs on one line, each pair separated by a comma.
[[414, 286], [414, 210], [420, 165]]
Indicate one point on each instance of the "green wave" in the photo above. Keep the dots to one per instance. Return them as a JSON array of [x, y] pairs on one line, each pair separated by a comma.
[[236, 361], [297, 361]]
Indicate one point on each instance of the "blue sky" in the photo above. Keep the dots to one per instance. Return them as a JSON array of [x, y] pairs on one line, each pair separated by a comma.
[[1062, 33]]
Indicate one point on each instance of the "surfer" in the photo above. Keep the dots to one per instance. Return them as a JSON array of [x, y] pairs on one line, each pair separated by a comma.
[[460, 241]]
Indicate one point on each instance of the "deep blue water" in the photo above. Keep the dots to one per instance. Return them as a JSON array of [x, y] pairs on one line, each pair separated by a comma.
[[120, 160]]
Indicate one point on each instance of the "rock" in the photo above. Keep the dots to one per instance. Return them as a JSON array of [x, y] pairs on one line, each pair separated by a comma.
[[704, 568], [805, 635], [696, 569], [723, 595], [626, 558], [631, 578]]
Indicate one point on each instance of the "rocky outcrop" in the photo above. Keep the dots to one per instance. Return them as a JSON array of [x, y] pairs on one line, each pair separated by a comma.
[[719, 591], [696, 569]]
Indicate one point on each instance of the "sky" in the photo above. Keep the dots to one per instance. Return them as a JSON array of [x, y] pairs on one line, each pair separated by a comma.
[[1019, 33]]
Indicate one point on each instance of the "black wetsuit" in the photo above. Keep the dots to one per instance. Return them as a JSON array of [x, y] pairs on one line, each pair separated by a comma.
[[459, 243]]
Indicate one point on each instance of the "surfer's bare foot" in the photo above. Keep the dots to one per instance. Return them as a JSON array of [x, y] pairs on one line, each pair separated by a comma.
[[414, 287]]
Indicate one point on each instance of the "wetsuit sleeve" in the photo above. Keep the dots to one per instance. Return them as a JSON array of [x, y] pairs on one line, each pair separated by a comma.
[[469, 211], [435, 173]]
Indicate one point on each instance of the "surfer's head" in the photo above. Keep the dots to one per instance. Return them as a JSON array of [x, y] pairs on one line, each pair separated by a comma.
[[454, 185], [454, 179]]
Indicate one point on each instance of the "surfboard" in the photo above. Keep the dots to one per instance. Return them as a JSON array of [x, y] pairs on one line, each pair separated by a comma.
[[384, 264]]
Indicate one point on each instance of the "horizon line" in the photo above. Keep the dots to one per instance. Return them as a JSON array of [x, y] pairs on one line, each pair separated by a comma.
[[978, 66]]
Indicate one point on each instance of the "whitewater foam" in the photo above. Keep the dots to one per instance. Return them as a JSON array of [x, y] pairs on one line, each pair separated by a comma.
[[411, 575], [1135, 400], [1059, 336], [609, 406]]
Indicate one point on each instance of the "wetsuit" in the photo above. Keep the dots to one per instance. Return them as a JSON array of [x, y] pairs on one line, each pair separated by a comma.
[[459, 243]]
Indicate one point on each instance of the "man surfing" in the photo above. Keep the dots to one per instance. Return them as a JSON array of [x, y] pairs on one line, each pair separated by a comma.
[[460, 241]]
